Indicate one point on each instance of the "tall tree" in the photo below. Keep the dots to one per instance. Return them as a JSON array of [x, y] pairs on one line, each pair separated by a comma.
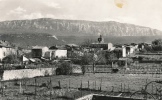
[[111, 57]]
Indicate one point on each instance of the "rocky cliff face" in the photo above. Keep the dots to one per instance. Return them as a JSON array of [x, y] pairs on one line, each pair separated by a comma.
[[75, 27]]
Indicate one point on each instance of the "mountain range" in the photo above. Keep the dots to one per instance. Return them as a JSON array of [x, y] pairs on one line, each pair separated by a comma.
[[48, 32], [75, 28]]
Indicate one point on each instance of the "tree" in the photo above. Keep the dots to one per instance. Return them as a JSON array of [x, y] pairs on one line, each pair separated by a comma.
[[157, 45], [85, 60], [64, 68], [11, 59], [111, 57], [87, 43], [157, 42]]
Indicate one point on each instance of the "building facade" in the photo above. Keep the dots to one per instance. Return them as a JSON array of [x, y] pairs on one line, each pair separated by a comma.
[[38, 51]]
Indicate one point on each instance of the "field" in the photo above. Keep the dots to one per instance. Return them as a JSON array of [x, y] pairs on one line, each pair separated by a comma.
[[67, 87], [31, 39]]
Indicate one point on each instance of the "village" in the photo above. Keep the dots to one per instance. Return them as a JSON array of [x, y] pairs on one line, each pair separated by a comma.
[[123, 61], [118, 56]]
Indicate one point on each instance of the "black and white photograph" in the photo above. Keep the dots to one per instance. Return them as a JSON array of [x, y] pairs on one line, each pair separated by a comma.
[[80, 49]]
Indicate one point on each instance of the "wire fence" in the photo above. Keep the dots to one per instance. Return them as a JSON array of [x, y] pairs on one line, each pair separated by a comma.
[[52, 88]]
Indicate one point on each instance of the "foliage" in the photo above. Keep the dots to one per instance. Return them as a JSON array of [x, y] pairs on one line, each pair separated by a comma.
[[148, 49], [110, 56], [83, 60], [157, 42], [143, 50], [64, 68], [11, 59], [86, 59], [156, 46], [87, 43], [129, 61]]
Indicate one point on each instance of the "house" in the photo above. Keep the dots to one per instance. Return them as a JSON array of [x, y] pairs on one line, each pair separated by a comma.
[[129, 50], [141, 46], [39, 51], [52, 54], [120, 51], [56, 52], [73, 50], [135, 45], [101, 45], [6, 49], [125, 50], [2, 53]]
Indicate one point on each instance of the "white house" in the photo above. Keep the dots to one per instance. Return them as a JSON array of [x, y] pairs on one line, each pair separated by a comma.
[[2, 54], [50, 54], [103, 46], [130, 50], [5, 51]]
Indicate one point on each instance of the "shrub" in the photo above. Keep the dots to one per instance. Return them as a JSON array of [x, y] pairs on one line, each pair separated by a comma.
[[11, 59], [64, 69]]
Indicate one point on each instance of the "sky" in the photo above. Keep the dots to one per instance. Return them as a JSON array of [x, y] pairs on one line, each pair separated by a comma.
[[140, 12]]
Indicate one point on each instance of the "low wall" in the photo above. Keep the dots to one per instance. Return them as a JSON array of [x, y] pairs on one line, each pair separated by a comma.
[[101, 97], [27, 73], [87, 97], [96, 97]]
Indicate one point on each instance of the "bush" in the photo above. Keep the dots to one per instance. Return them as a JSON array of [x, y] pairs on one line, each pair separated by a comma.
[[64, 69], [115, 70], [11, 59]]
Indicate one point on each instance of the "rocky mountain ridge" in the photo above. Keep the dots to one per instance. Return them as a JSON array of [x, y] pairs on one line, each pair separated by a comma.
[[75, 27]]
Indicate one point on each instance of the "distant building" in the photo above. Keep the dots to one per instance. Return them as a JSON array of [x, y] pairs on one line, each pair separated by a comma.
[[135, 45], [56, 52], [101, 45], [120, 51], [130, 50], [52, 54], [6, 49], [73, 50], [39, 51], [100, 39], [141, 46]]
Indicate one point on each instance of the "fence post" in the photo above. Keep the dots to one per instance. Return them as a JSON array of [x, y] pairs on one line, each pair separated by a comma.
[[25, 83], [35, 89], [88, 84], [50, 89], [59, 84], [20, 87], [101, 85], [2, 87], [128, 88], [112, 89], [124, 87], [69, 83], [121, 87], [152, 89], [95, 85], [81, 84]]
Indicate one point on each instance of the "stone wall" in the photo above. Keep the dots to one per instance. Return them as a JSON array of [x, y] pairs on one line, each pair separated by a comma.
[[27, 73]]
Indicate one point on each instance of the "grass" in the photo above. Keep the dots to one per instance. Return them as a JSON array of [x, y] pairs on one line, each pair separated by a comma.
[[70, 84]]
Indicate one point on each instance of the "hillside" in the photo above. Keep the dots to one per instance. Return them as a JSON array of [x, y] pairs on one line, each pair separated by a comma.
[[27, 40], [75, 28]]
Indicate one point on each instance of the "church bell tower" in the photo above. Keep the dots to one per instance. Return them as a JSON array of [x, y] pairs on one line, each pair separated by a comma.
[[100, 39]]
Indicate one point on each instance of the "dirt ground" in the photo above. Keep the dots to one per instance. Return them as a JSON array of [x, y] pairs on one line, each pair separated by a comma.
[[48, 88]]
